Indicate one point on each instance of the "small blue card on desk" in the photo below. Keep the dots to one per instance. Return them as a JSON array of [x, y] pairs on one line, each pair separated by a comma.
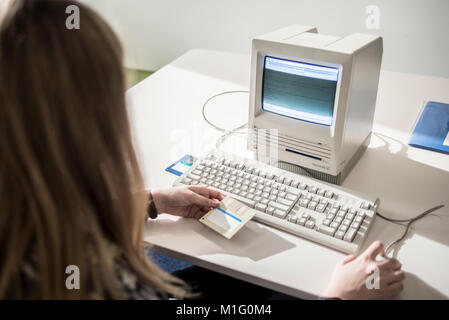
[[182, 165], [432, 128]]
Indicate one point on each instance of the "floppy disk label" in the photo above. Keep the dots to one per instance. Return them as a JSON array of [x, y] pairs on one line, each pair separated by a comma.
[[228, 218]]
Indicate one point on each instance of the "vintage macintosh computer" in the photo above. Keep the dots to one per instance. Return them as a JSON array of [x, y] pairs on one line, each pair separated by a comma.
[[319, 92]]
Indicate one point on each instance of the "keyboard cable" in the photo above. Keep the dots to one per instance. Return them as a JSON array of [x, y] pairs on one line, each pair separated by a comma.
[[408, 222]]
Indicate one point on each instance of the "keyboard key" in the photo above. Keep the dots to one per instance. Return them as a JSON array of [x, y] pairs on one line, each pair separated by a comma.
[[269, 176], [270, 210], [326, 230], [194, 176], [293, 219], [278, 205], [304, 203], [186, 181], [310, 224], [321, 192], [329, 194], [279, 213], [334, 225], [326, 222], [355, 225], [312, 205], [365, 206], [303, 186], [294, 191], [291, 197], [339, 234], [301, 221], [260, 207], [313, 189], [350, 234], [285, 201]]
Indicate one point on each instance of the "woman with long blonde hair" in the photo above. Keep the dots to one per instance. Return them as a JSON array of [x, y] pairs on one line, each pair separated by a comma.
[[71, 192]]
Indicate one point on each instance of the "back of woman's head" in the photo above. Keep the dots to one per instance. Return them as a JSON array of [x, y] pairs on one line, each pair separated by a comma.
[[68, 172]]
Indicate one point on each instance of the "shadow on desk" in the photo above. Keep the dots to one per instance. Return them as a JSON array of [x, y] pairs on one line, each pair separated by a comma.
[[406, 187], [253, 241], [417, 289]]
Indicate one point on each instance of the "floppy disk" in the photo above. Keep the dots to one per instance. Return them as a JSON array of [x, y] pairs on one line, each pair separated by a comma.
[[228, 218]]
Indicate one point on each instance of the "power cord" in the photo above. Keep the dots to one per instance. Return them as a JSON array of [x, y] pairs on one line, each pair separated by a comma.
[[226, 132], [409, 223]]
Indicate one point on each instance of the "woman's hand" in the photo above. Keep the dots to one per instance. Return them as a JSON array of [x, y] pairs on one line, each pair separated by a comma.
[[350, 276], [189, 202]]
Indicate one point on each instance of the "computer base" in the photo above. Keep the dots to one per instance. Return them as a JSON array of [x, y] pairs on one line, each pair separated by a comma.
[[338, 179]]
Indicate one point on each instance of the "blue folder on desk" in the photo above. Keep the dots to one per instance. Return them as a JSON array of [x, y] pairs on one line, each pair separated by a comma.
[[432, 128]]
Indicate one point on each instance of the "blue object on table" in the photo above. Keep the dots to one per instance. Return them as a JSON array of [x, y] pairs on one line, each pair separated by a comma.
[[432, 129], [182, 165], [167, 263]]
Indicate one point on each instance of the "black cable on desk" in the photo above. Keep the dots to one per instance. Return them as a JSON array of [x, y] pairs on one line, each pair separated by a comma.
[[409, 223]]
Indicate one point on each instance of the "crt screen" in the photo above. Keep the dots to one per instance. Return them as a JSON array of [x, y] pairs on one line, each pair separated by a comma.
[[299, 90]]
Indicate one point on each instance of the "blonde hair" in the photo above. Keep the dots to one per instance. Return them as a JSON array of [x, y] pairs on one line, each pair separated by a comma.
[[71, 192]]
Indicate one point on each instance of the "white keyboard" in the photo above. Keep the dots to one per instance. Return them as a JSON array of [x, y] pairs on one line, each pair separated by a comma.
[[327, 214]]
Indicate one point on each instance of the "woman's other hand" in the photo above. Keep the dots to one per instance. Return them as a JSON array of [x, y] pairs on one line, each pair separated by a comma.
[[349, 280], [188, 202]]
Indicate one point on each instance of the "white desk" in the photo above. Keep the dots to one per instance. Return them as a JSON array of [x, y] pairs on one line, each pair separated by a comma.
[[166, 118]]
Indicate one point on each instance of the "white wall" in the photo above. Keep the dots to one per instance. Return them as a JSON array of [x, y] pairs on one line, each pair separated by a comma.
[[154, 32]]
